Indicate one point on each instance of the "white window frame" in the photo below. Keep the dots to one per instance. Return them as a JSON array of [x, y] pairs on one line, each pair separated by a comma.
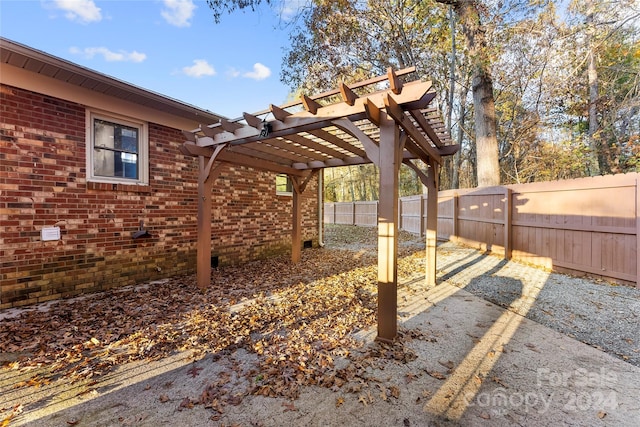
[[143, 149]]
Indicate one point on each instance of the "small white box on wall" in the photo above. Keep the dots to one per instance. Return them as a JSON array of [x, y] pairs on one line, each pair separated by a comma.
[[50, 233]]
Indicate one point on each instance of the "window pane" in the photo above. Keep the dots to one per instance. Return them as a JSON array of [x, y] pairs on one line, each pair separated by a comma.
[[115, 150], [126, 139], [103, 163], [103, 134], [129, 165], [283, 184]]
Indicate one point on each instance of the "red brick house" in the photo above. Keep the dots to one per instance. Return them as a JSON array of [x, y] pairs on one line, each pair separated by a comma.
[[95, 192]]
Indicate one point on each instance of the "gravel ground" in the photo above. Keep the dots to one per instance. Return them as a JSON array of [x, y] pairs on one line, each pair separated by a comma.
[[495, 343], [603, 315]]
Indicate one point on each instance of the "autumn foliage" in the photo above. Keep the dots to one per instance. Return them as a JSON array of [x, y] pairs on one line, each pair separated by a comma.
[[297, 320]]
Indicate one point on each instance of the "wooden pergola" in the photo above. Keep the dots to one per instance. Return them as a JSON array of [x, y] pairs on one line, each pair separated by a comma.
[[351, 125]]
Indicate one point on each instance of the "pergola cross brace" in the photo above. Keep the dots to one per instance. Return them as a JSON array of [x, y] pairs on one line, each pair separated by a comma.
[[386, 127]]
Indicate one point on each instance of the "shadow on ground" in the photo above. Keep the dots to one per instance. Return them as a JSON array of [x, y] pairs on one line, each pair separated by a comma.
[[490, 344]]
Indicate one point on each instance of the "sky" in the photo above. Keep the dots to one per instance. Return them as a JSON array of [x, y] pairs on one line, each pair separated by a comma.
[[172, 47]]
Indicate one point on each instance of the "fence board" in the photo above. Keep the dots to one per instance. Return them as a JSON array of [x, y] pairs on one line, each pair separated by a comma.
[[366, 214], [587, 225], [344, 213], [413, 215]]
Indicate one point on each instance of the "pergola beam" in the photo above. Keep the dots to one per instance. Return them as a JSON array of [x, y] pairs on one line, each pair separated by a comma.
[[424, 124], [285, 148], [403, 121], [239, 159], [267, 152], [312, 145], [416, 95], [370, 146], [350, 87]]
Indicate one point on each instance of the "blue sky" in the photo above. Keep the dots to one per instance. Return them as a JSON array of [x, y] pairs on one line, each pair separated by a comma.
[[173, 47]]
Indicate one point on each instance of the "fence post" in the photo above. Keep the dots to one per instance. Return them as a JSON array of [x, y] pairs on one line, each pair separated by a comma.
[[353, 213], [637, 233], [508, 216], [455, 216], [421, 218]]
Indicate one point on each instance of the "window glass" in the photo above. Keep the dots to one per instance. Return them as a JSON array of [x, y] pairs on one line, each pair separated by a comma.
[[283, 184], [116, 150]]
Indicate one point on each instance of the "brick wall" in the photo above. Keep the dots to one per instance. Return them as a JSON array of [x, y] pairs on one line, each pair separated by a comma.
[[43, 184]]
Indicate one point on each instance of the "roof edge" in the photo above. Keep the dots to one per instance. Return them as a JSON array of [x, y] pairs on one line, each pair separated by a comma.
[[148, 95]]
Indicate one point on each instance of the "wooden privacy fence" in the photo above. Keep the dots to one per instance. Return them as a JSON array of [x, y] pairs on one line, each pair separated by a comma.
[[587, 225]]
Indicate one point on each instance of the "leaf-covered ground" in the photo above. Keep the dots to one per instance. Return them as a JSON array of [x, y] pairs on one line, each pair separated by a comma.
[[297, 319]]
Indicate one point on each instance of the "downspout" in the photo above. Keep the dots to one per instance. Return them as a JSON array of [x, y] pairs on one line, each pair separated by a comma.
[[321, 209]]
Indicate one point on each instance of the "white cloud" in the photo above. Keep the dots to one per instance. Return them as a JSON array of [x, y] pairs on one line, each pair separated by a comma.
[[199, 68], [83, 11], [108, 55], [260, 72], [291, 8], [232, 72], [178, 12]]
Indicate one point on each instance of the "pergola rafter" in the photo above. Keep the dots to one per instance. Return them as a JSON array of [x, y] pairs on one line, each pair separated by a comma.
[[345, 126]]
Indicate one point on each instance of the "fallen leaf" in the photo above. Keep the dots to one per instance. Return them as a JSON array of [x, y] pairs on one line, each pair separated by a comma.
[[395, 391], [73, 421], [602, 414], [163, 398], [383, 392], [437, 375], [289, 407], [499, 381], [448, 364], [474, 338], [186, 403], [339, 402], [531, 347], [194, 371]]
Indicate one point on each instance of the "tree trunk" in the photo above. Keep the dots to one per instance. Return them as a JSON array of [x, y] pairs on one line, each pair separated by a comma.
[[488, 167], [485, 126], [457, 158], [592, 75]]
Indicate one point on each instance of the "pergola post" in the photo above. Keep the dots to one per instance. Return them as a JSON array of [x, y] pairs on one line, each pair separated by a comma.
[[299, 184], [296, 226], [205, 186], [390, 157], [432, 222]]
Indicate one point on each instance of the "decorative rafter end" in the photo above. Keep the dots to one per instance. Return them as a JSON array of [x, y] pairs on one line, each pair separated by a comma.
[[190, 136], [394, 82], [347, 94], [252, 120], [309, 104], [279, 113]]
